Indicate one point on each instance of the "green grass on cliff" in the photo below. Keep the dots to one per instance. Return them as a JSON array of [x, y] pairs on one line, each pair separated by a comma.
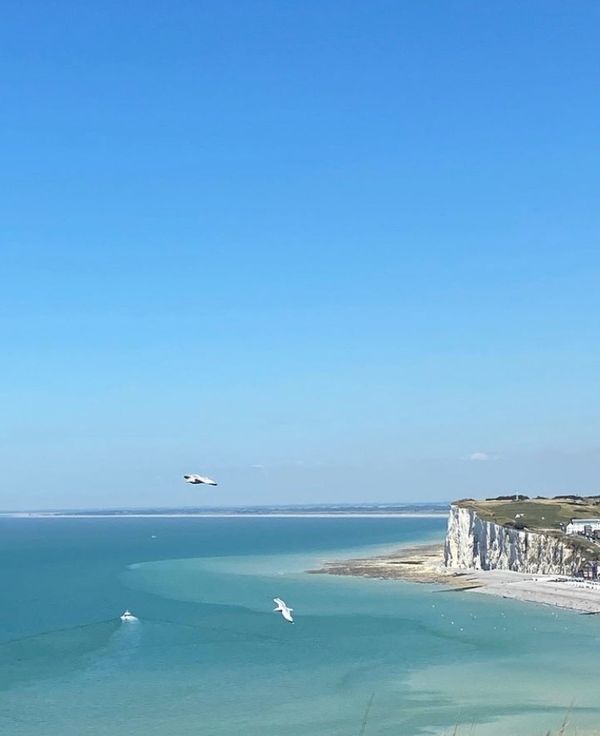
[[537, 514]]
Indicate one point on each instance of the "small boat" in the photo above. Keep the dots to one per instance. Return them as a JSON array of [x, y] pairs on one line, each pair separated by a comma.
[[127, 617]]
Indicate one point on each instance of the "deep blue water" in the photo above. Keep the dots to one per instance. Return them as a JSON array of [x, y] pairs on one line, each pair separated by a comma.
[[208, 656]]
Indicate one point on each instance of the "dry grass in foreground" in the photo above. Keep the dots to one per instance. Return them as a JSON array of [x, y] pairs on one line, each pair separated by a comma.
[[460, 731]]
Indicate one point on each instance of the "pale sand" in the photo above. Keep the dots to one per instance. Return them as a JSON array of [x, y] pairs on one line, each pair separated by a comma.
[[424, 564]]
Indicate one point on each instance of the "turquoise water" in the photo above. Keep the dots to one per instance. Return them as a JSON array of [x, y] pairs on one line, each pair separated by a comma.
[[209, 657]]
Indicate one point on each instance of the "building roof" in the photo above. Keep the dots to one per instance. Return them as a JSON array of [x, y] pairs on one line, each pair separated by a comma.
[[585, 521]]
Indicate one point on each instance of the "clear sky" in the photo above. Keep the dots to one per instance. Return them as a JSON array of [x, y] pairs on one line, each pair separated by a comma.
[[323, 251]]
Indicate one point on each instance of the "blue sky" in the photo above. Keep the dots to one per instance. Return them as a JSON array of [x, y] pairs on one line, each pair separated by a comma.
[[331, 251]]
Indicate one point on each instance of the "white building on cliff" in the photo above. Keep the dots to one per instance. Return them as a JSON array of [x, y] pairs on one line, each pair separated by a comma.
[[583, 526]]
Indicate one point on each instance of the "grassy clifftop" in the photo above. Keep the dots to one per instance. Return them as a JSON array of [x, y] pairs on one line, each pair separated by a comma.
[[537, 514]]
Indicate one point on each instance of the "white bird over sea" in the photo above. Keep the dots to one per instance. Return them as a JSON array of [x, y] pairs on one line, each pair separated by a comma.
[[196, 479], [283, 609]]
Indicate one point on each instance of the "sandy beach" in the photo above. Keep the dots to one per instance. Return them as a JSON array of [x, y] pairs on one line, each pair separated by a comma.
[[424, 564]]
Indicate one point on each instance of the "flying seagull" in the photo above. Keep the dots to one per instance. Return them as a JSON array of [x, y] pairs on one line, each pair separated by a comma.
[[196, 479], [283, 609]]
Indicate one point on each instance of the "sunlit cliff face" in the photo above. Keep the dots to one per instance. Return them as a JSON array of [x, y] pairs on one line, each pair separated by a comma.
[[472, 543]]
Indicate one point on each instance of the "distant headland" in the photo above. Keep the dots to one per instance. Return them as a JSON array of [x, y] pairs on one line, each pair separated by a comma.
[[557, 536], [543, 550]]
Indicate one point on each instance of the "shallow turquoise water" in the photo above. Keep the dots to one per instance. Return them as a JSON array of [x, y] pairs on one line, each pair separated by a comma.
[[209, 657]]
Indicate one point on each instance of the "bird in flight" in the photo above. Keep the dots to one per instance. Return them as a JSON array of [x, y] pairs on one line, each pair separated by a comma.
[[283, 609], [196, 479]]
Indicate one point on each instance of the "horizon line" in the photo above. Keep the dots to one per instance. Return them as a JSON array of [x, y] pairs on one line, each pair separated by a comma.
[[241, 509]]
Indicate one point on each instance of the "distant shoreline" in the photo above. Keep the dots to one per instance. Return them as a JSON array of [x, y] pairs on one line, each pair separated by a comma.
[[226, 515]]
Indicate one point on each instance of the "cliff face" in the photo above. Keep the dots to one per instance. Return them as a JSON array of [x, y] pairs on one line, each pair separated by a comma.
[[472, 543]]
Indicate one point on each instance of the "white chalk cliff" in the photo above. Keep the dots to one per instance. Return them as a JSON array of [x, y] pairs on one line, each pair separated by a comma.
[[472, 543]]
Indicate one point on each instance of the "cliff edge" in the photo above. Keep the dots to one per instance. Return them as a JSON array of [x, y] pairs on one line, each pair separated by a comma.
[[476, 540]]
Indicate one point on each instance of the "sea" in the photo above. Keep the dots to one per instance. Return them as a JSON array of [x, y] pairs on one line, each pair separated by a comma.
[[209, 656]]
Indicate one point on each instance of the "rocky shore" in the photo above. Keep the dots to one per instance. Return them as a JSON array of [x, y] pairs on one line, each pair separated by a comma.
[[425, 564], [418, 564]]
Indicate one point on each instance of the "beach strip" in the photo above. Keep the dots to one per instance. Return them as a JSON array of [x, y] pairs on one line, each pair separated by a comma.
[[425, 564]]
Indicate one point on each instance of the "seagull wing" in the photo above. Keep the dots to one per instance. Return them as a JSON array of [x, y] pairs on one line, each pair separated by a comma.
[[278, 602], [196, 479], [207, 481], [287, 615]]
